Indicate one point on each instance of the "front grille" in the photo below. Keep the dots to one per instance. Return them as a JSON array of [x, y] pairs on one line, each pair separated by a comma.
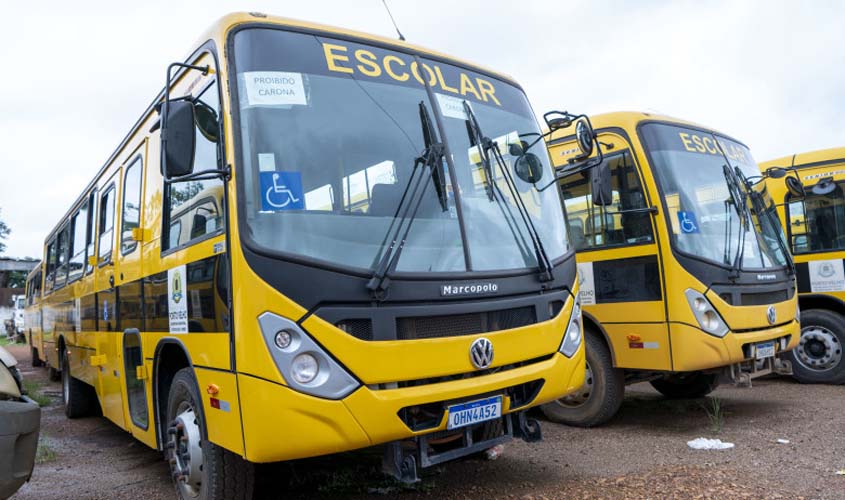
[[764, 298], [360, 328], [429, 415], [458, 376], [428, 327]]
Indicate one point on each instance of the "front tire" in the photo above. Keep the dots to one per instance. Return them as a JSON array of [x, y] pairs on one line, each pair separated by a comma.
[[598, 400], [200, 469], [79, 398], [686, 386], [818, 358]]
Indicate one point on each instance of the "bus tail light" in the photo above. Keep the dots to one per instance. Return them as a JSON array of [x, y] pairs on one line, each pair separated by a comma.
[[574, 335], [706, 315], [304, 365]]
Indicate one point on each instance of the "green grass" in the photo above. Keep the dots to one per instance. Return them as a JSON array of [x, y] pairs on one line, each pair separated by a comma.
[[6, 341], [33, 390], [44, 453], [715, 413]]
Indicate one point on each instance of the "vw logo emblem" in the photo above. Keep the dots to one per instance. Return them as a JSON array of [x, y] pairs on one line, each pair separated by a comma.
[[771, 315], [481, 353]]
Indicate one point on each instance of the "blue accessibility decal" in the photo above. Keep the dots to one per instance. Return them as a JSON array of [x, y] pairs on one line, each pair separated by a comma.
[[281, 191], [687, 221]]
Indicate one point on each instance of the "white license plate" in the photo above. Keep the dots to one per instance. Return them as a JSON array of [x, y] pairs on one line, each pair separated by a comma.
[[473, 412], [766, 350]]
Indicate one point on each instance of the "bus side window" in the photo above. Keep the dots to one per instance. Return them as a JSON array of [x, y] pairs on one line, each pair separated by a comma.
[[196, 206], [62, 249], [131, 213], [624, 222], [78, 229], [89, 233], [50, 265], [106, 224]]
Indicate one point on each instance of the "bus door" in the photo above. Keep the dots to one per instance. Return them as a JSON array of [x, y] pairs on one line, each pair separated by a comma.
[[132, 234], [619, 269], [108, 350]]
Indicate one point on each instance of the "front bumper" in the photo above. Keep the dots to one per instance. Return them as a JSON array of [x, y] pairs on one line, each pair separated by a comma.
[[282, 424], [19, 425], [694, 350]]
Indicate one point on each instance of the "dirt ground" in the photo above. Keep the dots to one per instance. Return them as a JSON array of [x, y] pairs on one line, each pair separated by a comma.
[[641, 454]]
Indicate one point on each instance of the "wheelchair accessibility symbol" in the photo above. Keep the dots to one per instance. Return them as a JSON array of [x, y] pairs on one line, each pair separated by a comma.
[[687, 222], [281, 191]]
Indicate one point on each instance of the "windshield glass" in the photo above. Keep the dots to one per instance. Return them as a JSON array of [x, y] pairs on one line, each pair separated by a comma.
[[705, 217], [330, 131]]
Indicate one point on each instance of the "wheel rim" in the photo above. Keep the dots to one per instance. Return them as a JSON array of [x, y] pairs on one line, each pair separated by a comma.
[[185, 451], [582, 395], [819, 349]]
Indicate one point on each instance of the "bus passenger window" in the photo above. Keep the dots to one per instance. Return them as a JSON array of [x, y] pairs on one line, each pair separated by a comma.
[[50, 276], [78, 229], [62, 256], [131, 214], [197, 205], [624, 222], [106, 224]]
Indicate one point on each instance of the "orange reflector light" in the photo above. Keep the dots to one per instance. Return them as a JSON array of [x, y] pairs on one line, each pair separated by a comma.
[[212, 389]]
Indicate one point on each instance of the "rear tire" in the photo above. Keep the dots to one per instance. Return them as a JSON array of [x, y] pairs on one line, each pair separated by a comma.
[[53, 374], [36, 361], [79, 398], [818, 358], [200, 469], [687, 386], [599, 398]]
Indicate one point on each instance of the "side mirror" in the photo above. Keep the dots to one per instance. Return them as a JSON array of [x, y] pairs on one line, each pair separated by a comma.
[[602, 190], [206, 120], [795, 188], [585, 136], [179, 139], [775, 173], [529, 168]]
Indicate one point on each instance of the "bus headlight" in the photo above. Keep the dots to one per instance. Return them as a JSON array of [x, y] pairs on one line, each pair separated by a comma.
[[304, 368], [706, 315], [302, 363], [572, 338]]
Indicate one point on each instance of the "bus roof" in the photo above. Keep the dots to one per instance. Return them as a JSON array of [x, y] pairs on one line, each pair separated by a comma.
[[629, 120], [807, 159], [218, 32]]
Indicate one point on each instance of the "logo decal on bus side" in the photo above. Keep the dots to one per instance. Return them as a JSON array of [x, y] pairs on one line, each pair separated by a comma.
[[177, 309]]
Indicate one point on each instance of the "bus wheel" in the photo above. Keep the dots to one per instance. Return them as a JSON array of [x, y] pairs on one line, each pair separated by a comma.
[[53, 374], [598, 400], [200, 469], [36, 361], [79, 398], [686, 386], [818, 356]]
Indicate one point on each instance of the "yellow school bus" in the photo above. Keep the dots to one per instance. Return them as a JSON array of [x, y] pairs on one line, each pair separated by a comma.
[[815, 230], [32, 314], [684, 275], [289, 256]]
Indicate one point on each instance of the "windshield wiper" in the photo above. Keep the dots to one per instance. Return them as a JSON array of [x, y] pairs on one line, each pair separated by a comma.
[[761, 212], [486, 145], [736, 195], [431, 157]]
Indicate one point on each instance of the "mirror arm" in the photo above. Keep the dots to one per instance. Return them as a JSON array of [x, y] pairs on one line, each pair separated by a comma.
[[225, 173]]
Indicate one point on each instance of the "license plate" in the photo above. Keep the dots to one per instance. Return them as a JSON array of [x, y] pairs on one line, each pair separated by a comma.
[[474, 411], [766, 350]]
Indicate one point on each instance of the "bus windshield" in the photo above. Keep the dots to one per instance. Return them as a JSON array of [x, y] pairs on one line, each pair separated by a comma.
[[330, 131], [705, 217]]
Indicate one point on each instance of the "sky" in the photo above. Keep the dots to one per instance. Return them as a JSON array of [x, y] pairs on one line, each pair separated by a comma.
[[76, 75]]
